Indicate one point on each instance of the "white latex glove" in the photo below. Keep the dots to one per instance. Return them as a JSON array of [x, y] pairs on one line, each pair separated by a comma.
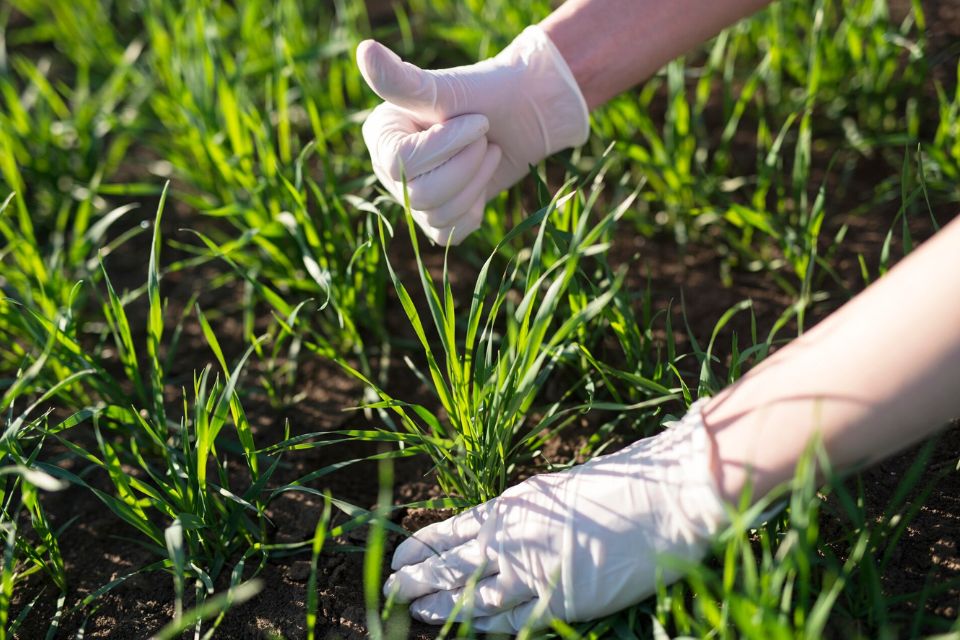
[[463, 135], [574, 545]]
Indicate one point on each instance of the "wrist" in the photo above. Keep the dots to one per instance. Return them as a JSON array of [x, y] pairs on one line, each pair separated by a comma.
[[688, 451], [585, 65], [745, 455]]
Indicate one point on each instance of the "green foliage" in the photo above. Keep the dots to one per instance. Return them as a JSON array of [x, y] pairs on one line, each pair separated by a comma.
[[513, 338], [942, 161], [252, 102], [58, 149], [845, 69], [159, 469], [30, 540], [252, 112]]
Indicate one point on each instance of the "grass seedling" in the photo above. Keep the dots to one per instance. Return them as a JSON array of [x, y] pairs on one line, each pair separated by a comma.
[[792, 68], [942, 158], [27, 549], [784, 578], [211, 521], [319, 537], [251, 72], [488, 380], [752, 148], [158, 469]]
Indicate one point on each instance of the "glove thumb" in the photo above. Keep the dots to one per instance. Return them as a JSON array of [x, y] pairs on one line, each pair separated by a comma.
[[400, 83]]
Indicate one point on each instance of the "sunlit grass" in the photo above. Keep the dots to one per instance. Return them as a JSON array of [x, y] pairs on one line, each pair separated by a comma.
[[251, 111]]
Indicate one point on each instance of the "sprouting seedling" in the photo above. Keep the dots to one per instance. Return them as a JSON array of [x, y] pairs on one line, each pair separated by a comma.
[[488, 370]]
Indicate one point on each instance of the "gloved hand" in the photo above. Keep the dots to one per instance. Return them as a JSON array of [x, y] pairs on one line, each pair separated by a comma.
[[463, 135], [574, 545]]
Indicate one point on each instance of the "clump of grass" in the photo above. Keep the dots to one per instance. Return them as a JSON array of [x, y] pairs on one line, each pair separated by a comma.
[[281, 175], [60, 144], [488, 380], [27, 549], [254, 109], [942, 158], [158, 468], [845, 69], [30, 540], [169, 478]]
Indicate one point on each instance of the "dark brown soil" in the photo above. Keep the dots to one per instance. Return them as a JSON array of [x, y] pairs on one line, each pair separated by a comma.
[[96, 548]]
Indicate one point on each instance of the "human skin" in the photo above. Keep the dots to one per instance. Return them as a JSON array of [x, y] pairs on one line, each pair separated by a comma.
[[611, 45], [879, 374]]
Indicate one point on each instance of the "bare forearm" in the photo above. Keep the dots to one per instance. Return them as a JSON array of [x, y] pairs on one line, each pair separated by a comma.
[[611, 45], [879, 374]]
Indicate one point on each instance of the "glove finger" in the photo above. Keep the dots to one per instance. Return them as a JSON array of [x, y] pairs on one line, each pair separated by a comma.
[[433, 188], [441, 536], [392, 186], [450, 211], [463, 227], [525, 615], [405, 146], [396, 81], [453, 235], [449, 570], [487, 597]]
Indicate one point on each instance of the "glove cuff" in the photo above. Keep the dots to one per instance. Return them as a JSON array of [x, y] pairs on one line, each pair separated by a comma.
[[700, 499], [553, 90]]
